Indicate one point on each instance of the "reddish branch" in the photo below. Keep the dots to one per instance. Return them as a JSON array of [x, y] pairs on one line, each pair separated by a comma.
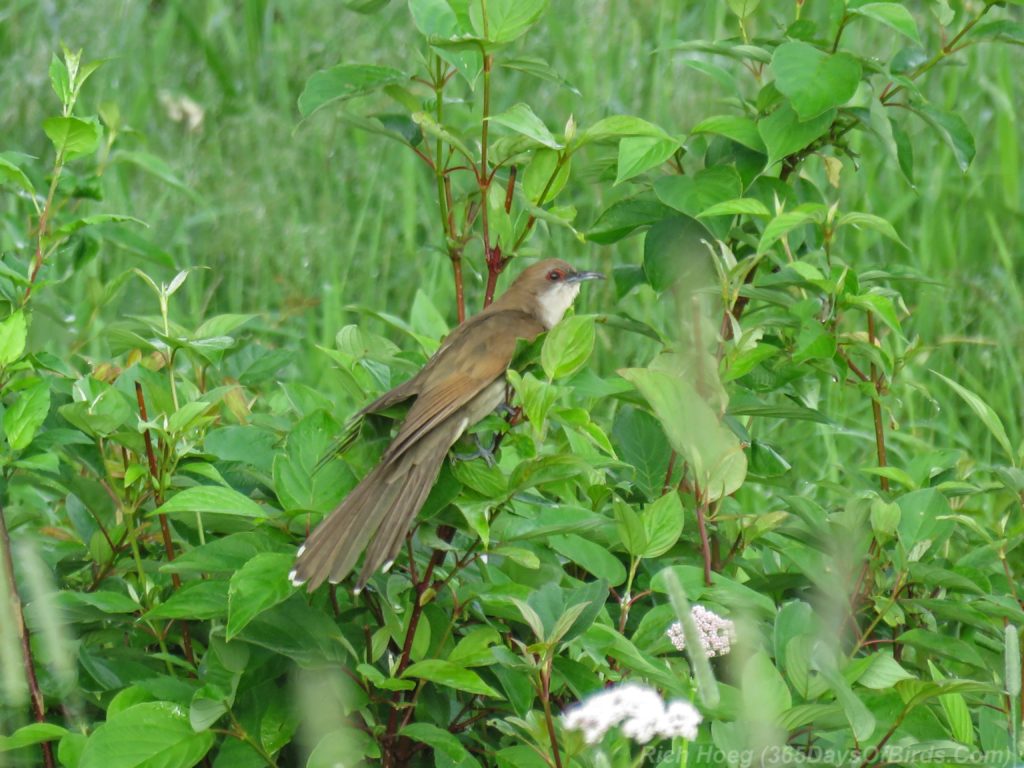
[[705, 545], [165, 529], [35, 694], [878, 381]]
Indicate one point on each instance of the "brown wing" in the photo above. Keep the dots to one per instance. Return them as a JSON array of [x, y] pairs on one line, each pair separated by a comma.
[[473, 357]]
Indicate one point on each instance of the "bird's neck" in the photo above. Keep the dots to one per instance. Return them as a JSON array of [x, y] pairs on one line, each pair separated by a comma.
[[548, 306], [551, 305]]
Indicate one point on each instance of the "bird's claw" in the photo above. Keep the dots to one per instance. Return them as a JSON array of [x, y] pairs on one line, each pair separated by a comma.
[[505, 409], [481, 452]]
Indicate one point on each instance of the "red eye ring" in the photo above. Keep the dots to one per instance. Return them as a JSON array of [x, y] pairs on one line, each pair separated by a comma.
[[555, 274]]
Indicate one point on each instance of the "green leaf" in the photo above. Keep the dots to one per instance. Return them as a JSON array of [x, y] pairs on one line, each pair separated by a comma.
[[568, 346], [521, 119], [862, 722], [785, 223], [1011, 660], [672, 247], [258, 585], [536, 67], [872, 222], [695, 431], [10, 172], [741, 206], [474, 648], [785, 134], [958, 715], [624, 217], [13, 333], [743, 8], [441, 25], [537, 178], [431, 127], [814, 81], [343, 82], [885, 516], [814, 343], [24, 417], [630, 528], [742, 130], [100, 218], [299, 481], [72, 136], [884, 672], [28, 735], [893, 15], [309, 636], [506, 20], [591, 556], [641, 153], [640, 443], [426, 319], [618, 126], [532, 618], [730, 48], [450, 675], [158, 168], [84, 602], [537, 398], [437, 739], [878, 304], [60, 79], [99, 408], [986, 413], [924, 519], [211, 498], [953, 130], [695, 194], [904, 152], [773, 696], [663, 524], [198, 600], [592, 596], [149, 735]]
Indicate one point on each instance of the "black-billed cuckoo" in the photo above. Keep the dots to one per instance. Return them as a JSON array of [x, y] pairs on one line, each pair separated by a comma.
[[461, 384]]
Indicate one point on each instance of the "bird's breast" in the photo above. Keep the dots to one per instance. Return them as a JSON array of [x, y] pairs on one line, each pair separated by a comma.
[[485, 403]]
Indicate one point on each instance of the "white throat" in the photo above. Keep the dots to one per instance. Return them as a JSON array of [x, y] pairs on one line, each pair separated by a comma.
[[555, 301]]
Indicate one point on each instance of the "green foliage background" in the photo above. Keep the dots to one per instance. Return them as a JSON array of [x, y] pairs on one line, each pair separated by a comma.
[[297, 227]]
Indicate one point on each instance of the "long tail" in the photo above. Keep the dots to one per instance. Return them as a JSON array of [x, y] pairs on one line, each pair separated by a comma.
[[381, 508]]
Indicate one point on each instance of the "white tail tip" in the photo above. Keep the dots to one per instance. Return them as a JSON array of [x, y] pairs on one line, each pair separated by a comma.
[[387, 566], [301, 550], [293, 577]]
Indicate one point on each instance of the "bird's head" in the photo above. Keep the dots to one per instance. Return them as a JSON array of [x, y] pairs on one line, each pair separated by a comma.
[[549, 287]]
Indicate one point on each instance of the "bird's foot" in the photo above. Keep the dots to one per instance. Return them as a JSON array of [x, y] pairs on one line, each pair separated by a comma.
[[505, 409], [481, 452]]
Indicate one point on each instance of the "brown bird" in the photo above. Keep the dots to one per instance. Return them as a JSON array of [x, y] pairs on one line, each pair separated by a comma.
[[461, 384]]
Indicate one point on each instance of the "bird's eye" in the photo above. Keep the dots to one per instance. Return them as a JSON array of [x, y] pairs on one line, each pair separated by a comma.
[[554, 275]]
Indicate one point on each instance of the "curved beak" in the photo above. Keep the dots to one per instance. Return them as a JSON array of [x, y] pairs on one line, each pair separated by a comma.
[[579, 277]]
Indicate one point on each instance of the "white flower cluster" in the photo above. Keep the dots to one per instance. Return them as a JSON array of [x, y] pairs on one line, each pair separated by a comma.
[[638, 709], [716, 633]]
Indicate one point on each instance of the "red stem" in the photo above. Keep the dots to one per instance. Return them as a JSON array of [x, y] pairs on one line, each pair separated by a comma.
[[545, 681], [460, 297], [165, 529], [668, 472], [390, 752], [876, 378], [35, 694], [705, 545]]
